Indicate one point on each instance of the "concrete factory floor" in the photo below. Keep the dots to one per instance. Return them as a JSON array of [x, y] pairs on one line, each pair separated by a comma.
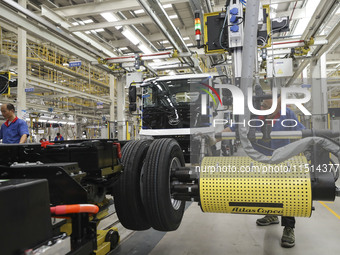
[[217, 234]]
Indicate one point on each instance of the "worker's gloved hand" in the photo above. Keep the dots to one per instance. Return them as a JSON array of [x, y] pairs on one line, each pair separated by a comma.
[[266, 130], [308, 154], [210, 141], [251, 134]]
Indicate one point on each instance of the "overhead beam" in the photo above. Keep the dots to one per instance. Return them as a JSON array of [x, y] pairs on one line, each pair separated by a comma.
[[61, 96], [156, 37], [123, 22], [11, 19], [43, 27], [55, 110], [271, 2], [134, 21], [298, 13], [289, 43], [333, 42], [332, 80], [94, 8], [319, 17], [156, 11], [334, 62], [333, 57], [332, 38], [219, 7], [52, 16], [59, 110], [46, 84]]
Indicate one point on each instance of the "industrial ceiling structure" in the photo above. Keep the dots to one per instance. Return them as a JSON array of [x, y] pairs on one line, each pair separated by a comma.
[[60, 32]]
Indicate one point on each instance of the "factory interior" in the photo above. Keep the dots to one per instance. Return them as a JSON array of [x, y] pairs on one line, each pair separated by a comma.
[[168, 127]]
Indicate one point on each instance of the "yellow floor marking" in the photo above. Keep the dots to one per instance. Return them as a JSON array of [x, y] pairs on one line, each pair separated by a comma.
[[329, 209]]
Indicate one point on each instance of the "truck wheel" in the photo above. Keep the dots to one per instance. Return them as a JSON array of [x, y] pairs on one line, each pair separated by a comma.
[[163, 212], [127, 192]]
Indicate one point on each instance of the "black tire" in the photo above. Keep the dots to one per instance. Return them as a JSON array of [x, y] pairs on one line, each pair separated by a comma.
[[127, 192], [112, 236], [163, 213]]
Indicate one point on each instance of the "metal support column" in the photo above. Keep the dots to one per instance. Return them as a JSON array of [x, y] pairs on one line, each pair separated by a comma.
[[112, 83], [22, 40], [79, 131], [248, 60], [305, 76], [319, 93], [121, 109], [249, 46], [237, 64]]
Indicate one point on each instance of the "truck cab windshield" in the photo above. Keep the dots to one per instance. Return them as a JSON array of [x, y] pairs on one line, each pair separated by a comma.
[[170, 103]]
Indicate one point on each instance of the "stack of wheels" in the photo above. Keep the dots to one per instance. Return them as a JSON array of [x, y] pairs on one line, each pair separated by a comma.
[[127, 195], [142, 195]]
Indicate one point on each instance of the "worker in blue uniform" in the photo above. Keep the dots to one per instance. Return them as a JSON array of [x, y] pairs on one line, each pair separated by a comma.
[[59, 137], [267, 147], [14, 130]]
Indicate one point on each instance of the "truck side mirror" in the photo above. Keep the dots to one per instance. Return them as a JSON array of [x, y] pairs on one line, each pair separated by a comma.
[[132, 94]]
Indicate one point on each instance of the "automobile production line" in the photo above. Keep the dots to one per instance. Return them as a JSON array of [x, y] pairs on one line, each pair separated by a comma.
[[216, 233]]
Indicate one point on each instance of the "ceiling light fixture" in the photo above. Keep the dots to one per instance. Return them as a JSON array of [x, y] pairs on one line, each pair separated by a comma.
[[139, 11], [110, 17], [144, 49], [173, 16], [88, 21], [130, 36], [167, 6]]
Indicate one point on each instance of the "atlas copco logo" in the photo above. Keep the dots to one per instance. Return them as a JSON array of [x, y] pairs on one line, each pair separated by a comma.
[[239, 100], [257, 210]]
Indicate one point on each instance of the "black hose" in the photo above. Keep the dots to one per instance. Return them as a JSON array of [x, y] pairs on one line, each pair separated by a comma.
[[327, 137], [264, 147]]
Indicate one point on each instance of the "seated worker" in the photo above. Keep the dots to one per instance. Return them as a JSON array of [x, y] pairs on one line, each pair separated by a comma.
[[267, 148], [14, 130], [59, 137]]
